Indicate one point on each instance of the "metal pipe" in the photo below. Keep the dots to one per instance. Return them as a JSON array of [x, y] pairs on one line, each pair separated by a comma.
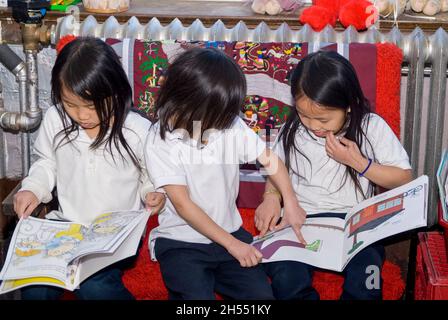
[[154, 31], [25, 150], [436, 116], [426, 71], [2, 142], [30, 114], [414, 97], [33, 111]]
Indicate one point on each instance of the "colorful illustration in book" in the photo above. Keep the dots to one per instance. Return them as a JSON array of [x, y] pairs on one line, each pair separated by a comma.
[[28, 247], [269, 250], [62, 244], [49, 252], [62, 247], [372, 216], [106, 225]]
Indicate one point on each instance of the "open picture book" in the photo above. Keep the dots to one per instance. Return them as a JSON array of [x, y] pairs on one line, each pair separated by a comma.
[[332, 242], [64, 254], [442, 183]]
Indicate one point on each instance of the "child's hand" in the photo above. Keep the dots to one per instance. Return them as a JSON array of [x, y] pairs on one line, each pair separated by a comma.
[[344, 151], [267, 214], [295, 216], [155, 201], [24, 203], [247, 255]]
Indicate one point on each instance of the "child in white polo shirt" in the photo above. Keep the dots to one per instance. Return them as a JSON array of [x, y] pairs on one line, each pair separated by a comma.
[[336, 151], [194, 152], [89, 146]]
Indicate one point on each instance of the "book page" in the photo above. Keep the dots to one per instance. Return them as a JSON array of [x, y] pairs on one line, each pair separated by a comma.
[[127, 246], [442, 182], [398, 210], [10, 285], [324, 237], [41, 248], [106, 230]]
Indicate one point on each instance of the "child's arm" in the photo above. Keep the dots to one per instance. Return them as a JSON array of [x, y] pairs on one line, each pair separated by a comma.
[[294, 215], [24, 203], [347, 153], [153, 199], [41, 179], [268, 212], [246, 254], [155, 202]]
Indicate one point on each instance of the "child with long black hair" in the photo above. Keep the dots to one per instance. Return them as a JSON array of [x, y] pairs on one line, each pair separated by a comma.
[[89, 146], [195, 150], [336, 151]]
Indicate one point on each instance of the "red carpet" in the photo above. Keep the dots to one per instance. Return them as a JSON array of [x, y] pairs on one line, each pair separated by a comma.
[[145, 281]]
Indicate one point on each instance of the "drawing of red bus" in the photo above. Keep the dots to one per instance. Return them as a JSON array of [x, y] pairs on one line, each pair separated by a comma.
[[372, 216]]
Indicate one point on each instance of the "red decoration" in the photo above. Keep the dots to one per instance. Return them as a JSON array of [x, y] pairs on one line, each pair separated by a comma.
[[360, 14], [63, 41]]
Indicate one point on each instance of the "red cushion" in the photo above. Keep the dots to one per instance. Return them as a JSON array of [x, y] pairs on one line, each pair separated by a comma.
[[144, 280]]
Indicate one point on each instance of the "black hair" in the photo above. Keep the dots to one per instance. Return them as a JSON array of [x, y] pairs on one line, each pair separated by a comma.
[[329, 80], [91, 70], [202, 84]]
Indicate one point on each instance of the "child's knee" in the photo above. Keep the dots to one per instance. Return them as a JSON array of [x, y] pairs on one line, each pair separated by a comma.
[[291, 280], [361, 291], [41, 293], [290, 272], [367, 261]]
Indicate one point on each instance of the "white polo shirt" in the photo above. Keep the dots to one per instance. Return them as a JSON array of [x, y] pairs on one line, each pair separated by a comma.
[[88, 182], [210, 172], [318, 188]]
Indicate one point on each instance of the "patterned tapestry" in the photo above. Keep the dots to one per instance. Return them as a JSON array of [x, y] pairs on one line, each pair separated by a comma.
[[267, 67]]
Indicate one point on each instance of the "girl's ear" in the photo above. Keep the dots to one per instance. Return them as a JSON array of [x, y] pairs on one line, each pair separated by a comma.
[[349, 110]]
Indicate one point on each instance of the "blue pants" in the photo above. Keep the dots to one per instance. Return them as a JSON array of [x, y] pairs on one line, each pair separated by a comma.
[[106, 284], [193, 271], [292, 280]]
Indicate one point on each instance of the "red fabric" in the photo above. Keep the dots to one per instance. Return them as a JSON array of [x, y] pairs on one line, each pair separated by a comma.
[[388, 77], [145, 282]]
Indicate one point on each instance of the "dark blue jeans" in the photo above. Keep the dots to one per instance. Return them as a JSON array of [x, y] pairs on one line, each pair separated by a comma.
[[193, 271], [106, 284], [292, 280]]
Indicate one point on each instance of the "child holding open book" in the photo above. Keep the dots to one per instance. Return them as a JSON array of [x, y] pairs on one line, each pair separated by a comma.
[[89, 146], [336, 151]]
